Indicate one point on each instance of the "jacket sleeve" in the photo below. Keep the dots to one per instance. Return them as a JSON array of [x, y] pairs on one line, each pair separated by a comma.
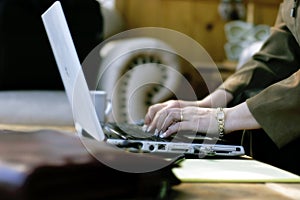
[[277, 59], [274, 71], [277, 110]]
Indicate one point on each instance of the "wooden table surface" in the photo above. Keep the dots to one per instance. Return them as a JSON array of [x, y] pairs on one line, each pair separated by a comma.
[[236, 191], [208, 191]]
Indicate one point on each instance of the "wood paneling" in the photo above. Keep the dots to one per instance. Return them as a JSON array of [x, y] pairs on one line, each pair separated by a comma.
[[199, 19], [262, 12]]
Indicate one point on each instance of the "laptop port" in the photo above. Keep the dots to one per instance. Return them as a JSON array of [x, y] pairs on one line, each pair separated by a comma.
[[179, 150], [161, 147], [222, 152], [151, 148]]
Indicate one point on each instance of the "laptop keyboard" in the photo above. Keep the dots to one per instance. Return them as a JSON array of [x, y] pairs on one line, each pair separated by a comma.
[[129, 132]]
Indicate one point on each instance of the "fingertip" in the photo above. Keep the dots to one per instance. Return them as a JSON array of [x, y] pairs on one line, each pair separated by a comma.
[[149, 129], [156, 133], [163, 135], [145, 127]]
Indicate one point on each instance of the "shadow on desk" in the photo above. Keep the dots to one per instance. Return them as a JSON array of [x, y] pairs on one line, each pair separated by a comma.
[[49, 164]]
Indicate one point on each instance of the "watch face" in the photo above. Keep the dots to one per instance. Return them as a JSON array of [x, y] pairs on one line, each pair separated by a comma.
[[220, 115]]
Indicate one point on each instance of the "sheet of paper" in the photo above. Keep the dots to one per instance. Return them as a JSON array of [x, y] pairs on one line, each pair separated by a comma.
[[231, 170]]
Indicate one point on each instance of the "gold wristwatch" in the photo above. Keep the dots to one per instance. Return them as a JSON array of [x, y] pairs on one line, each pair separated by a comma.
[[221, 121]]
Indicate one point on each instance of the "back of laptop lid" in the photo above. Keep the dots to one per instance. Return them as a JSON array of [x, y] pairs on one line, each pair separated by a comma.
[[84, 114]]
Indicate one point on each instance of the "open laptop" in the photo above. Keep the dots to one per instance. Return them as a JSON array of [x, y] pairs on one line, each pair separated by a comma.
[[84, 113]]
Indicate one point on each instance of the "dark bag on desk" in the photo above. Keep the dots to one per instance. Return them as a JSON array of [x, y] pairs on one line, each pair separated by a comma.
[[55, 165]]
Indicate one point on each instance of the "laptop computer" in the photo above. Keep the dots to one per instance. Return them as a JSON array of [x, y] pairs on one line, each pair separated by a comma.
[[84, 113]]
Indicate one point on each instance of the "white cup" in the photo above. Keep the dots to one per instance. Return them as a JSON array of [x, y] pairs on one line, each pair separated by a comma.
[[101, 103]]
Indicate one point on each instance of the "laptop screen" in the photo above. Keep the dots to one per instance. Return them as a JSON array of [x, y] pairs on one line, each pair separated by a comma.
[[84, 114]]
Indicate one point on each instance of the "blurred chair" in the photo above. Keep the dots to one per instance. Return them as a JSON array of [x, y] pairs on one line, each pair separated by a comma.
[[137, 73]]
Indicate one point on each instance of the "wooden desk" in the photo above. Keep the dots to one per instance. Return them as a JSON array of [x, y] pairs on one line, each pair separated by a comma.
[[208, 191], [234, 191]]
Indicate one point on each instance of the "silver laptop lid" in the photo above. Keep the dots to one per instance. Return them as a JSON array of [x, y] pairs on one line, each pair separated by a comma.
[[84, 114]]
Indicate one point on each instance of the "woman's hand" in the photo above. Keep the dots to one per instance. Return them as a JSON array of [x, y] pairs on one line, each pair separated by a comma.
[[193, 119], [171, 119], [154, 109], [219, 98]]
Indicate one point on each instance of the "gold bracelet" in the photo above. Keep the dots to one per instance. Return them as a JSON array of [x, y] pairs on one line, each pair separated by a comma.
[[221, 121]]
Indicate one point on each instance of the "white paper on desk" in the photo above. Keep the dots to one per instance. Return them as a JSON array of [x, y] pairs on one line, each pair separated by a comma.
[[231, 170]]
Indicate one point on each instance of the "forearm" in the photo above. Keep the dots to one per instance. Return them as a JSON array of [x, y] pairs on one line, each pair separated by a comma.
[[219, 98], [239, 118]]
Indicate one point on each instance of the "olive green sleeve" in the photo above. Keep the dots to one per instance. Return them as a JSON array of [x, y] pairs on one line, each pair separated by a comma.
[[277, 110], [277, 60], [275, 71]]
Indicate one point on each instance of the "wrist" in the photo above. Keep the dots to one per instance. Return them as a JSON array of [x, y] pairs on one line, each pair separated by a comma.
[[205, 103], [239, 118], [219, 98]]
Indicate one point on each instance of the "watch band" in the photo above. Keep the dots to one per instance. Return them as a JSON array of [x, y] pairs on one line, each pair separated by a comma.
[[221, 121]]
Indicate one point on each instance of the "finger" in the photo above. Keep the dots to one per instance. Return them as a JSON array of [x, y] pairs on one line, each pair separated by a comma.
[[174, 128], [173, 115], [161, 117], [152, 110], [158, 118], [171, 130], [179, 126]]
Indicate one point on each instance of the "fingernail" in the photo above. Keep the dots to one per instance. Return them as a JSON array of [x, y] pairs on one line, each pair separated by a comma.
[[149, 129], [156, 132], [144, 128], [162, 135]]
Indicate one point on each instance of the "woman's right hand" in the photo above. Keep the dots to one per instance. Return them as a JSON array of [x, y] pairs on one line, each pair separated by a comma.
[[152, 110], [219, 98]]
